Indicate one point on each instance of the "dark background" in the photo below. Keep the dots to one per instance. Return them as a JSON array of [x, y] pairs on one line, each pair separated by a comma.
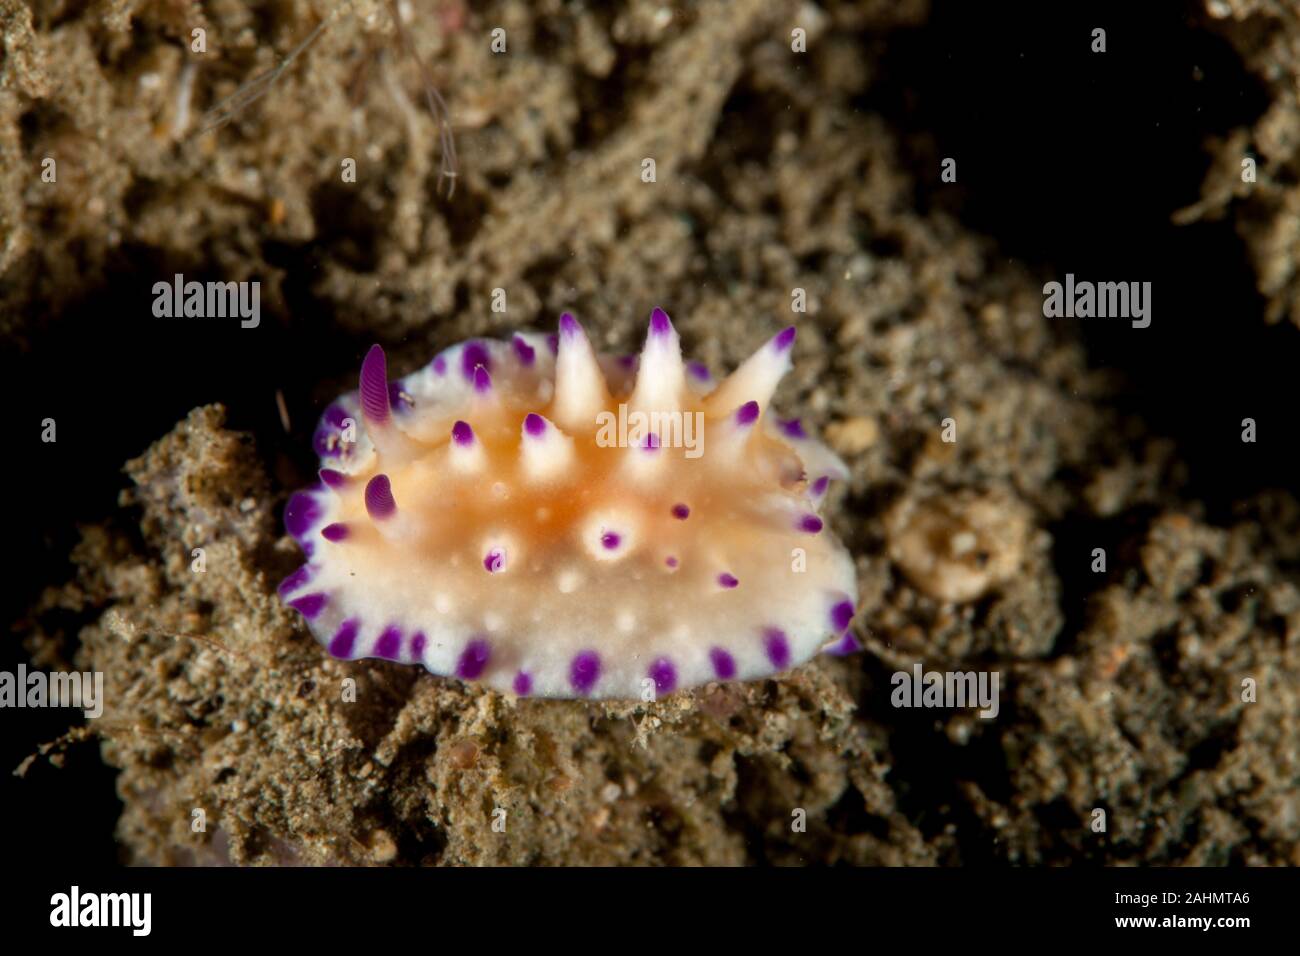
[[1072, 160]]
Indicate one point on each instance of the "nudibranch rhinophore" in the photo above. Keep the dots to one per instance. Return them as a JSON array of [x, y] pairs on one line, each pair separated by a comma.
[[557, 523]]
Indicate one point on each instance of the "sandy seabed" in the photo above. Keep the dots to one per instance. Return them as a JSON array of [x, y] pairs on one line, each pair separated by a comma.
[[1120, 690]]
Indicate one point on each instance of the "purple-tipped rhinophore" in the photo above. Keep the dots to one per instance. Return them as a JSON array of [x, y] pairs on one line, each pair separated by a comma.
[[380, 503], [374, 387]]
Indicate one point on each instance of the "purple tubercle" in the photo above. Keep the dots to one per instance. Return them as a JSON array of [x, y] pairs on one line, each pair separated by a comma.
[[523, 351], [494, 561], [334, 532], [344, 638], [811, 524], [727, 580], [535, 425], [309, 605], [784, 339], [380, 503], [664, 674], [374, 386], [724, 665], [301, 514], [462, 434], [793, 428], [333, 479], [660, 323], [820, 485], [389, 643], [523, 684], [777, 647], [611, 540], [671, 561], [699, 370], [474, 659], [627, 361], [842, 615], [747, 414], [847, 644], [294, 581], [584, 671], [473, 355], [553, 343], [482, 380], [569, 327], [440, 365], [418, 641], [650, 443], [681, 511]]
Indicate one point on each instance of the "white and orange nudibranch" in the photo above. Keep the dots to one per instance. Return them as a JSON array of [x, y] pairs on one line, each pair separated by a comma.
[[558, 523]]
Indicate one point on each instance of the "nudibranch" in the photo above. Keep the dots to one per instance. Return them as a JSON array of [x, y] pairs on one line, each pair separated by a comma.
[[554, 522]]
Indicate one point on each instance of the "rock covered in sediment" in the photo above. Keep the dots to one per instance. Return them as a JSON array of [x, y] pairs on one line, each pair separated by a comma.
[[956, 546]]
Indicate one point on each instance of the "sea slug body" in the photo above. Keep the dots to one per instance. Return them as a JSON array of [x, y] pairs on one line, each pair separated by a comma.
[[552, 522]]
